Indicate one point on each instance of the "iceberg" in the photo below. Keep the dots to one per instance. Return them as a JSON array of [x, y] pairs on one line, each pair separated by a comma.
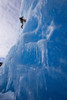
[[35, 67]]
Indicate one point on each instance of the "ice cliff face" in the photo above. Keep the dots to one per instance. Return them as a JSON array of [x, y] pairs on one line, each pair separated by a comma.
[[33, 69]]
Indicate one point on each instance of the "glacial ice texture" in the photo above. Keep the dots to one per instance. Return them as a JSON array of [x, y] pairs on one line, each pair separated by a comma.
[[35, 68]]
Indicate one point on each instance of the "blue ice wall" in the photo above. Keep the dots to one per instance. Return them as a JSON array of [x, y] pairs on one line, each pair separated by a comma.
[[36, 67]]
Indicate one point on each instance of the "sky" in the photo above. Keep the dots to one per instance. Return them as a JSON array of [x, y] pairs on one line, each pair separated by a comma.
[[9, 17]]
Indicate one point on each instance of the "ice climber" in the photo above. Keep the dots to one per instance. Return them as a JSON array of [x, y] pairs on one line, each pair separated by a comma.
[[22, 20]]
